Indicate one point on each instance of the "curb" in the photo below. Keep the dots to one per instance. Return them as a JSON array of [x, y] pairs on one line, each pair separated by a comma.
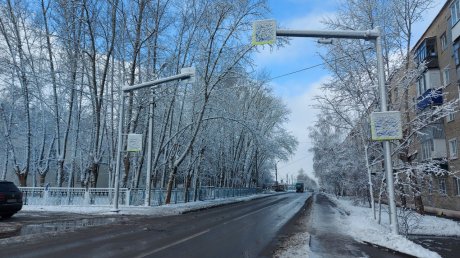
[[389, 249]]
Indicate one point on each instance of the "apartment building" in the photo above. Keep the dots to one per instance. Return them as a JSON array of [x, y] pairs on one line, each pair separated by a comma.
[[439, 49]]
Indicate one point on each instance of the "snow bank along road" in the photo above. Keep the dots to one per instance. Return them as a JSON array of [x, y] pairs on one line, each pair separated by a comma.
[[236, 230]]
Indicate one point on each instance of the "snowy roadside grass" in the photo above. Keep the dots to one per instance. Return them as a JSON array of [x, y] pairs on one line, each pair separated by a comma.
[[164, 210], [432, 225], [360, 225], [295, 246]]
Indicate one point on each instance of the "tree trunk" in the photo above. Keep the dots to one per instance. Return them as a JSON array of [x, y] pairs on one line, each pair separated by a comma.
[[22, 177], [60, 172], [127, 167], [402, 196], [418, 202], [172, 176], [94, 173], [188, 182], [41, 179]]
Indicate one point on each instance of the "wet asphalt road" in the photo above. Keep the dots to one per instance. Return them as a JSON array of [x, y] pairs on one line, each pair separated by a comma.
[[237, 230], [249, 229]]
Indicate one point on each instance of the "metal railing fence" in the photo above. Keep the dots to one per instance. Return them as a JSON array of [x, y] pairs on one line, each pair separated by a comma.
[[104, 196]]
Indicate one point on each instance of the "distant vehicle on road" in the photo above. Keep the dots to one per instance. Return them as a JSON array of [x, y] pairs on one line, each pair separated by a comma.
[[280, 188], [299, 187], [10, 199]]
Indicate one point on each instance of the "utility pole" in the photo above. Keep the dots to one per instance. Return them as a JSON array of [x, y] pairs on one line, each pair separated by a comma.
[[276, 173]]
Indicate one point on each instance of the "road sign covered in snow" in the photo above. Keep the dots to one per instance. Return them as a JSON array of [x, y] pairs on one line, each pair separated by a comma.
[[134, 142], [386, 126], [189, 70], [263, 32]]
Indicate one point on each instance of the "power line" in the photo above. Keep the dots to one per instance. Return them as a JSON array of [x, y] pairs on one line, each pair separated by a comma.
[[311, 67], [298, 71]]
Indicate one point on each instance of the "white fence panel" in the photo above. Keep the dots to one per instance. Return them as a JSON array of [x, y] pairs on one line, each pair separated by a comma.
[[56, 196]]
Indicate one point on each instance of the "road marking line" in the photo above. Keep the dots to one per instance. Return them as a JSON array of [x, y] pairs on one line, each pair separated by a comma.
[[173, 244], [247, 214], [202, 232]]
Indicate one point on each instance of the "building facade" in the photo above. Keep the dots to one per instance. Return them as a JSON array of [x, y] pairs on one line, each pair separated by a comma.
[[439, 50]]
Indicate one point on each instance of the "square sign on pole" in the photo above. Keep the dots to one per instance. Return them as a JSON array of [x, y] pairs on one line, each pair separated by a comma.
[[189, 70], [263, 32], [134, 142], [386, 126]]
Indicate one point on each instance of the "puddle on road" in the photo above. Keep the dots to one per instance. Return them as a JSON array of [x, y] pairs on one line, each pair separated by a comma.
[[61, 226], [447, 247]]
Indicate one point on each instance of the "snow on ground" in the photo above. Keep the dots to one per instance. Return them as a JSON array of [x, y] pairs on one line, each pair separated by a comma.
[[360, 225], [431, 225], [164, 210]]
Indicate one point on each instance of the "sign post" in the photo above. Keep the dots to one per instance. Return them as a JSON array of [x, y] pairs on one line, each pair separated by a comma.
[[135, 141], [261, 35]]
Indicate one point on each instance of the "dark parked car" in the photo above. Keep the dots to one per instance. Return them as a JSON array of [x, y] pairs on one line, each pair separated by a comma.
[[10, 199]]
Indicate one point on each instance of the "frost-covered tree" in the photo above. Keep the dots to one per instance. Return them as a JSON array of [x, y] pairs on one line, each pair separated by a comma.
[[63, 64], [309, 183], [352, 95]]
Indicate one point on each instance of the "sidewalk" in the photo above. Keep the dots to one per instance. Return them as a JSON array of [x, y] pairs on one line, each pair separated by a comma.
[[321, 234], [326, 239]]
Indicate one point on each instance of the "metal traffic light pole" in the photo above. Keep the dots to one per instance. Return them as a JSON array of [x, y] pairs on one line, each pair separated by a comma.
[[375, 35], [186, 74]]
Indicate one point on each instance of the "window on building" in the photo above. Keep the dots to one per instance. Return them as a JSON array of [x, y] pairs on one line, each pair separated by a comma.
[[442, 186], [427, 148], [446, 75], [450, 117], [457, 185], [443, 41], [455, 12], [453, 148], [421, 85], [420, 54], [456, 51]]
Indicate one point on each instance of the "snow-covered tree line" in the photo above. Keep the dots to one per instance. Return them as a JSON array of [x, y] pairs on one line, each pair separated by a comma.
[[309, 183], [345, 158], [63, 63]]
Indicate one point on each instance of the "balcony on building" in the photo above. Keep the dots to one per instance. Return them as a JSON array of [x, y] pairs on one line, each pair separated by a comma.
[[430, 98], [429, 89], [427, 53], [433, 142]]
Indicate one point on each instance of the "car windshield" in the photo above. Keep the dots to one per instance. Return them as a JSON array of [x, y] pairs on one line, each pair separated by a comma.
[[8, 186]]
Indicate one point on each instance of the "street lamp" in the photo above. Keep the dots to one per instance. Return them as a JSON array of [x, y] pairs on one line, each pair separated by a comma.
[[187, 75]]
